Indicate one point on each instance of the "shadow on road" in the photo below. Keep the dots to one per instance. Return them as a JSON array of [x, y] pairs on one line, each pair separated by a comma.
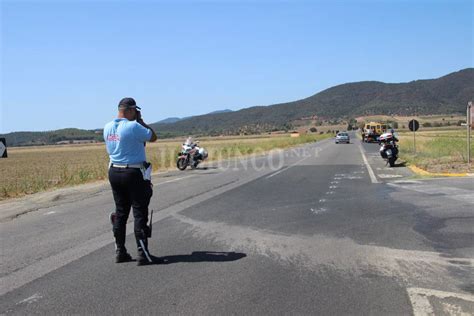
[[207, 168], [397, 165], [203, 256], [401, 164]]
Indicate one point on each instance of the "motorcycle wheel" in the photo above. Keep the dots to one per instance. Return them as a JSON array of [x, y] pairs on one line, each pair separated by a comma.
[[391, 161], [194, 165], [181, 164]]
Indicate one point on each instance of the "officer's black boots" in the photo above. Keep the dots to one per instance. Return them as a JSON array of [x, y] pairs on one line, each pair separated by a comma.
[[144, 257], [122, 256]]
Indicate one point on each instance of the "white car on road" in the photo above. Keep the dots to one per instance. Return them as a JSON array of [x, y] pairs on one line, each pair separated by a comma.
[[343, 137]]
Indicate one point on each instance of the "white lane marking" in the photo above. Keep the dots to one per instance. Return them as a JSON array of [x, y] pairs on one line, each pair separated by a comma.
[[49, 213], [286, 168], [407, 182], [32, 299], [373, 178], [278, 172], [318, 210], [451, 309], [433, 188], [419, 303], [386, 176], [172, 180], [419, 298], [458, 194]]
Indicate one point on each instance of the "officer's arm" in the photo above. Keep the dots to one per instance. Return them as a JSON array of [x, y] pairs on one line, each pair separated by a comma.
[[153, 134]]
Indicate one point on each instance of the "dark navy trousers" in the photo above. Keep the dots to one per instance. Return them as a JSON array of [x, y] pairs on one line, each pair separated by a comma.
[[130, 190]]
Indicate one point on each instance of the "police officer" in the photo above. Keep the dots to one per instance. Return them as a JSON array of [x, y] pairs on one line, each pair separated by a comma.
[[125, 139]]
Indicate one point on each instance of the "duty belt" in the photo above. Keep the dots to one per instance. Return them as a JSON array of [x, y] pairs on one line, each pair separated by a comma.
[[126, 166]]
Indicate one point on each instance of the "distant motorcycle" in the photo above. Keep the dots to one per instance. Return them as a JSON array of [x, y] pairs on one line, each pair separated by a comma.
[[191, 155], [388, 148]]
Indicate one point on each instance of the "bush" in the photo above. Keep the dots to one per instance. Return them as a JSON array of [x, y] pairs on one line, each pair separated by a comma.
[[313, 129], [426, 124]]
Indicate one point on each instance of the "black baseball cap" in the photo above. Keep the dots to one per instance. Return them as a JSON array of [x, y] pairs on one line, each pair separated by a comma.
[[128, 103]]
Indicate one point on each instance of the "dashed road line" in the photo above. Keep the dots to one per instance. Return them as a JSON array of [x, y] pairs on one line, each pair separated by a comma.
[[32, 299], [318, 210]]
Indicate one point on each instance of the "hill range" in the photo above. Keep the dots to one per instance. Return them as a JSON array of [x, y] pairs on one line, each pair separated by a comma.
[[445, 95]]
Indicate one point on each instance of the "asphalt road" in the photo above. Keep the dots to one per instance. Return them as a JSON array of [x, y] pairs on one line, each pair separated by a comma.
[[323, 229]]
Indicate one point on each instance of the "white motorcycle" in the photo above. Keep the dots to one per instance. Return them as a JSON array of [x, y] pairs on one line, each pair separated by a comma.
[[191, 155], [388, 148]]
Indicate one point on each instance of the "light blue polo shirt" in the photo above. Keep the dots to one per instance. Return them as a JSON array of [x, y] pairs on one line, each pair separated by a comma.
[[124, 141]]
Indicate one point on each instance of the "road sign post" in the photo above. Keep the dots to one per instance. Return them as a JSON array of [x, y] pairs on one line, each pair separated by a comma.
[[413, 125], [469, 126]]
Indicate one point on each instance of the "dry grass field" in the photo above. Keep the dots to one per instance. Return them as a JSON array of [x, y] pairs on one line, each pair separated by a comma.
[[437, 150], [29, 170]]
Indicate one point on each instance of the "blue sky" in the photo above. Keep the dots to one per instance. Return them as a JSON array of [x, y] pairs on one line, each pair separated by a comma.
[[68, 63]]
